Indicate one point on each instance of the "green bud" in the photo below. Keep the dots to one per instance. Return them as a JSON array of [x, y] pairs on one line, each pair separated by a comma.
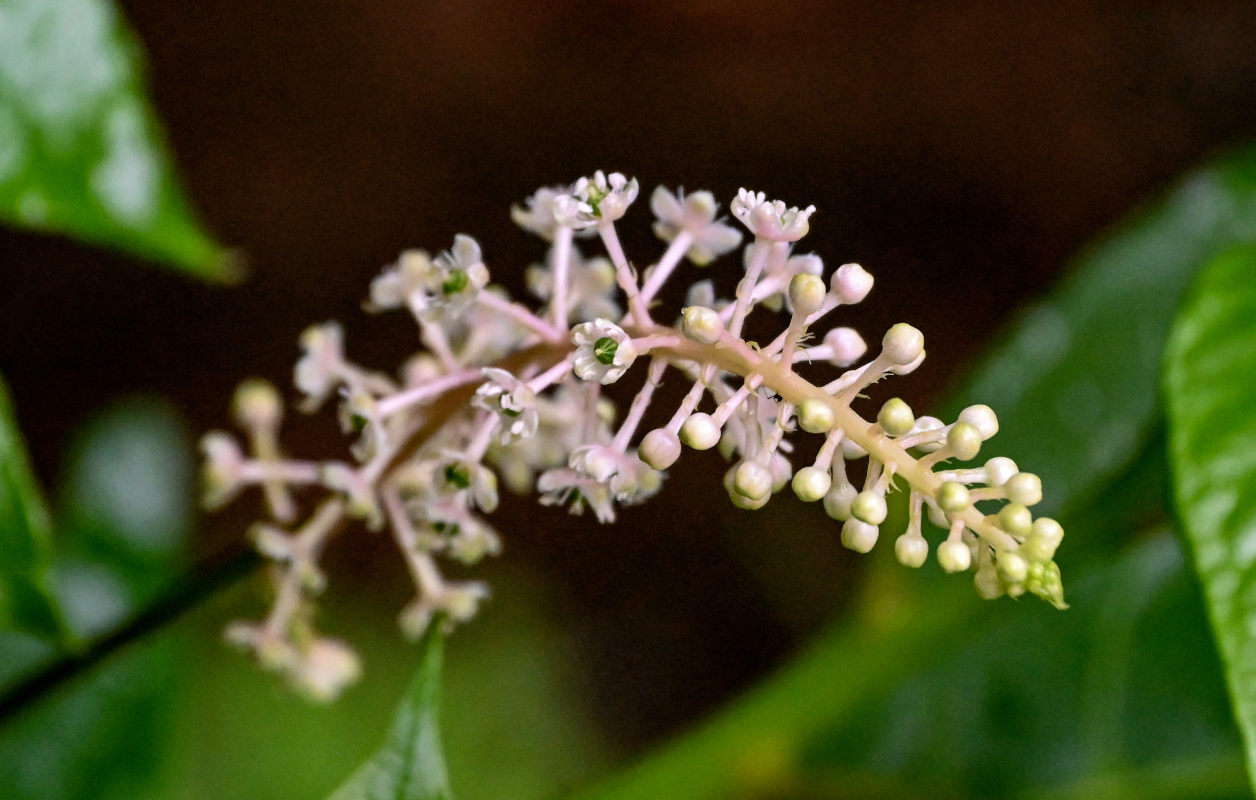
[[816, 416], [953, 497], [896, 417]]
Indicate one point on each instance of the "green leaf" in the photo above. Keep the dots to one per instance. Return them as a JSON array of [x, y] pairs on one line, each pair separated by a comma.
[[81, 152], [26, 602], [1075, 382], [125, 505], [1210, 372], [410, 765]]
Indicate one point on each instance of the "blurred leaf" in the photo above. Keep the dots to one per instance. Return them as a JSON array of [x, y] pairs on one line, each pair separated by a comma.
[[410, 766], [26, 602], [104, 735], [1074, 385], [1076, 380], [1210, 370], [1126, 680], [126, 503], [513, 670], [81, 152]]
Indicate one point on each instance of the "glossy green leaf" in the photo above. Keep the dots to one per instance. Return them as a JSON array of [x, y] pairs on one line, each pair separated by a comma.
[[411, 764], [123, 526], [1074, 384], [1075, 381], [1210, 373], [26, 602], [81, 152]]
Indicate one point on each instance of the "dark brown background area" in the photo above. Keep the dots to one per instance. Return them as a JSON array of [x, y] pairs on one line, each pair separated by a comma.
[[962, 151]]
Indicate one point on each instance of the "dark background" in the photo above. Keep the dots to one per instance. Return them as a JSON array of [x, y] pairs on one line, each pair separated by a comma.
[[961, 151]]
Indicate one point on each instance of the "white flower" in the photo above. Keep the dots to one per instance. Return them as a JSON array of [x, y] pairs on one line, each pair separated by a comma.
[[770, 219], [457, 601], [595, 200], [437, 289], [604, 352], [695, 214], [559, 486], [325, 668], [626, 477], [461, 275], [321, 367], [512, 401], [413, 273], [537, 215], [591, 286]]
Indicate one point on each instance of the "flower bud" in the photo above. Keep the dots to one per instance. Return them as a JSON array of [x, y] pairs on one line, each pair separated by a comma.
[[910, 367], [953, 497], [1016, 519], [806, 293], [1037, 549], [954, 556], [660, 448], [851, 283], [896, 417], [811, 483], [999, 469], [1024, 488], [1012, 567], [752, 480], [911, 550], [902, 344], [701, 324], [1049, 530], [816, 416], [859, 536], [987, 582], [869, 507], [838, 499], [749, 503], [964, 441], [982, 418], [700, 432], [257, 404], [846, 344]]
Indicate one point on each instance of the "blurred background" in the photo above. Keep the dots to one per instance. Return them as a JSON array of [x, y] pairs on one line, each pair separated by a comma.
[[961, 151]]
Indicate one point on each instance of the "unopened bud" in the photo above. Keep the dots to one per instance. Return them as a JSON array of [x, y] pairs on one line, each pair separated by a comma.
[[806, 293], [954, 556], [1024, 488], [982, 418], [896, 417], [999, 469], [851, 283], [701, 324], [257, 404], [700, 432], [902, 344], [869, 507], [816, 416], [811, 483], [859, 536], [911, 550], [660, 448], [953, 497], [964, 441], [846, 344]]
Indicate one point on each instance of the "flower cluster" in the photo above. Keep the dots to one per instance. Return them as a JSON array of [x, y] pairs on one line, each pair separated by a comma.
[[504, 392]]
